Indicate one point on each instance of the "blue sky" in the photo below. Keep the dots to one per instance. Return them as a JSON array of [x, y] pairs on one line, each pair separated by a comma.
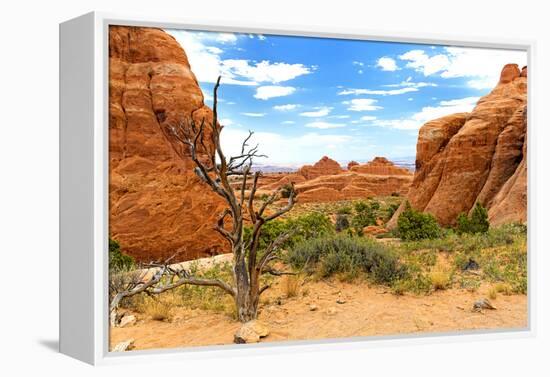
[[350, 100]]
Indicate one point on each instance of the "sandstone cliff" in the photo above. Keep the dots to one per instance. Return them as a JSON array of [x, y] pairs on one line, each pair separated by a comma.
[[157, 205], [325, 166], [326, 181], [476, 157]]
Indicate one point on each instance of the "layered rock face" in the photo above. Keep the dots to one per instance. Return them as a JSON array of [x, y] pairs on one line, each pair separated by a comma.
[[325, 166], [158, 207], [325, 181], [476, 157], [379, 166]]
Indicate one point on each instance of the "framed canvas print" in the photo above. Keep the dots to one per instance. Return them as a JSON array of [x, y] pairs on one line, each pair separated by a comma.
[[233, 187]]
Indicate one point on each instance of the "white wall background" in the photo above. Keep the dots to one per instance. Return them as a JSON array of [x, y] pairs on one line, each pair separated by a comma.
[[29, 183]]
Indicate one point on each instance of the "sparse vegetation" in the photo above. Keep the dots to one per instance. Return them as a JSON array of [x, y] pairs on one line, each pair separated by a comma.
[[364, 215], [342, 222], [117, 260], [478, 222], [414, 225], [286, 190], [341, 254]]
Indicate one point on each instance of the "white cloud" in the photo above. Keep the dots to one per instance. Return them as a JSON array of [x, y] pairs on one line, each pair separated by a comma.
[[409, 83], [288, 122], [483, 66], [207, 63], [297, 149], [407, 86], [226, 38], [391, 92], [261, 37], [271, 91], [207, 96], [362, 104], [324, 125], [254, 115], [430, 113], [387, 64], [410, 99], [265, 71], [287, 107], [360, 64], [339, 116], [320, 112], [368, 118], [421, 62], [226, 122]]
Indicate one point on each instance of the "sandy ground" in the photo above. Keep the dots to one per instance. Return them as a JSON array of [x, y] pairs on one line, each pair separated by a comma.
[[365, 311]]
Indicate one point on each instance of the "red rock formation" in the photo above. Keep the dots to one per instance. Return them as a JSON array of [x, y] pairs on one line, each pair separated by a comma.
[[328, 182], [352, 164], [481, 156], [157, 205], [380, 166], [351, 185], [325, 166]]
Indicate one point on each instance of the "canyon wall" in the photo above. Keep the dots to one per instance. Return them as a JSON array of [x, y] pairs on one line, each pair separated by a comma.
[[476, 157], [157, 206]]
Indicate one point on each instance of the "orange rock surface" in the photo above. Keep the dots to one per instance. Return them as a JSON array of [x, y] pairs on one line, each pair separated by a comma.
[[157, 206], [327, 181], [325, 166], [379, 166], [477, 157]]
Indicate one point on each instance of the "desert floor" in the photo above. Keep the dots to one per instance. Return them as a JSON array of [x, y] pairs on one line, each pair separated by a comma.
[[361, 310]]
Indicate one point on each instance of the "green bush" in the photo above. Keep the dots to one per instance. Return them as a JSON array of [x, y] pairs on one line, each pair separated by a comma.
[[364, 215], [307, 226], [344, 210], [117, 260], [286, 190], [342, 222], [330, 255], [414, 225], [478, 222]]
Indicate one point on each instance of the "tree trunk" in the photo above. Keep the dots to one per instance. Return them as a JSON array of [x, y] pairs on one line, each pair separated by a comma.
[[247, 295]]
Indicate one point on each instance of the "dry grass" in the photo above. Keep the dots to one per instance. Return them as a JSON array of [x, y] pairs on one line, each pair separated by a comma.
[[158, 308], [440, 279], [291, 285]]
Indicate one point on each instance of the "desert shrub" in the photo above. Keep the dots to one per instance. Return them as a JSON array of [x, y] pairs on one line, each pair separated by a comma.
[[331, 255], [478, 222], [291, 284], [286, 190], [158, 308], [374, 205], [414, 225], [344, 210], [391, 210], [342, 222], [440, 279], [313, 224], [117, 260], [364, 216]]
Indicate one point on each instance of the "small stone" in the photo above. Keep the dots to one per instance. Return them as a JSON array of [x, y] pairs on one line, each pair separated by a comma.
[[313, 307], [479, 305], [251, 332], [127, 320], [124, 346], [340, 301]]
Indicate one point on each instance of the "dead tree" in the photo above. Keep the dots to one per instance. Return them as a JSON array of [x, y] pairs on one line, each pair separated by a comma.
[[202, 142]]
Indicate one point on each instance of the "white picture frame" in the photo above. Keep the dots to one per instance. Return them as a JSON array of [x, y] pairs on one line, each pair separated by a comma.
[[84, 323]]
